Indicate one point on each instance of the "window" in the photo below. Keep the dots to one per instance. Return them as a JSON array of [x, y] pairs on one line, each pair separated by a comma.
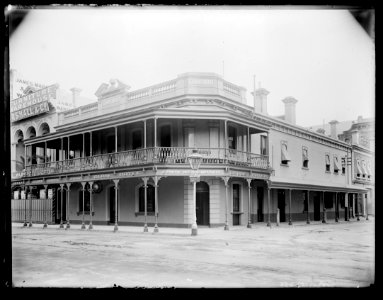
[[86, 202], [337, 166], [232, 138], [327, 158], [343, 165], [150, 199], [358, 168], [305, 157], [236, 197], [285, 158], [263, 145], [137, 139]]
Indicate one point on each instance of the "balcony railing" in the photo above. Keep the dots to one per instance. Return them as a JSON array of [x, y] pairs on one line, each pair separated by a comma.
[[157, 155]]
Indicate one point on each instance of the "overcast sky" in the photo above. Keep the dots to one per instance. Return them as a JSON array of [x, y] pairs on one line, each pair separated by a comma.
[[323, 58]]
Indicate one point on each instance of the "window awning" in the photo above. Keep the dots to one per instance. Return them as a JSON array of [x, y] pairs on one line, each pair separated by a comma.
[[327, 159], [305, 154], [285, 154], [358, 167], [364, 168], [336, 163]]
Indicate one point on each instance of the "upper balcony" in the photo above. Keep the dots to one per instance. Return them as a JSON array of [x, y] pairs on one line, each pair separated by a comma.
[[117, 99], [148, 156]]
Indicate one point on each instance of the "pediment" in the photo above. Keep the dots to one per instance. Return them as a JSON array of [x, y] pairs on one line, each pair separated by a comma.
[[115, 86]]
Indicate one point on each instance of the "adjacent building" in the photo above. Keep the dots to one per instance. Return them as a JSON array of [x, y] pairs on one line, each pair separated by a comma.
[[125, 160]]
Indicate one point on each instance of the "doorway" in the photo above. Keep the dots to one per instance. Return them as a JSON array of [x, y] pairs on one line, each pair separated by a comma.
[[316, 207], [282, 205], [202, 203], [112, 205], [165, 136], [260, 192]]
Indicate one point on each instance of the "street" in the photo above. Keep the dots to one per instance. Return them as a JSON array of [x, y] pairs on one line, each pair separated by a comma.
[[316, 255]]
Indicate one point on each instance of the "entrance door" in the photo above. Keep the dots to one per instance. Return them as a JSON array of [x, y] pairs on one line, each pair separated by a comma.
[[112, 205], [202, 203], [282, 205], [260, 203], [316, 207]]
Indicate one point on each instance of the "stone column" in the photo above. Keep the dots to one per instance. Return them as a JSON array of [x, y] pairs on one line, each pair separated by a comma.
[[249, 205], [324, 209], [116, 181], [68, 207], [336, 207]]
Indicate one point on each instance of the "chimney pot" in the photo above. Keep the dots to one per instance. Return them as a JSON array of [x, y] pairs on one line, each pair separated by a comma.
[[334, 133], [75, 95]]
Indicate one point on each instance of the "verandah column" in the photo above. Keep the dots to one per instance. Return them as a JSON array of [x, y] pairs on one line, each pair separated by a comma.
[[61, 204], [90, 205], [30, 206], [268, 203], [45, 206], [25, 205], [353, 205], [336, 207], [226, 180], [67, 205], [249, 211], [366, 206], [308, 207], [116, 181], [145, 180], [357, 207], [324, 209], [156, 179], [290, 219], [346, 207], [83, 205]]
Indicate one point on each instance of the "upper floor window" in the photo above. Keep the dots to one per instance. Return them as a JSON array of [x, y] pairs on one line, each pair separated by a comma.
[[343, 165], [327, 158], [305, 157], [263, 145], [358, 169], [232, 137], [337, 166], [285, 157], [137, 139]]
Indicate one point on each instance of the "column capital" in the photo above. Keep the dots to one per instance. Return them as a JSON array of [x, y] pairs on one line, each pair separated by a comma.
[[145, 180], [83, 183], [249, 180], [226, 179], [156, 179], [45, 186], [68, 185], [62, 185], [116, 181]]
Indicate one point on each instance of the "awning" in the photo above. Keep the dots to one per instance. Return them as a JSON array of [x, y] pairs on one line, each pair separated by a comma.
[[358, 167], [336, 163], [369, 173], [285, 154], [305, 154], [364, 168], [327, 159]]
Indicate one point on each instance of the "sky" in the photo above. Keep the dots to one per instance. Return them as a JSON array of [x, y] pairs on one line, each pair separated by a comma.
[[321, 57]]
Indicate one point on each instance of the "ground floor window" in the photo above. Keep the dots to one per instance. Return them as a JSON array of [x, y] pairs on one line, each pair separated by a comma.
[[86, 201], [150, 199]]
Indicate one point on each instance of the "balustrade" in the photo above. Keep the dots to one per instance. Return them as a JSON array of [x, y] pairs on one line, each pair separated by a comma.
[[157, 155]]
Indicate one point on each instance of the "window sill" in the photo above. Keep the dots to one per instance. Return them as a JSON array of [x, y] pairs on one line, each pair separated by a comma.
[[79, 213], [284, 165], [329, 172], [139, 213], [305, 168], [336, 173]]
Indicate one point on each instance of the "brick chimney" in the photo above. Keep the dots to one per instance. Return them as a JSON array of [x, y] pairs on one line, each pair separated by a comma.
[[334, 132], [75, 95], [290, 109]]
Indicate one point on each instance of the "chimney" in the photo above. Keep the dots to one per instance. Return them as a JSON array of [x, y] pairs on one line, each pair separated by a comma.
[[75, 95], [260, 100], [360, 118], [334, 134], [290, 109]]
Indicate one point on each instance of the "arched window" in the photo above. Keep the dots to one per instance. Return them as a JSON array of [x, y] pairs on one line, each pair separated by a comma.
[[31, 132], [150, 199], [44, 129]]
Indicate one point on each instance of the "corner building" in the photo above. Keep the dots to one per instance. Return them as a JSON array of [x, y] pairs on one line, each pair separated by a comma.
[[123, 160]]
